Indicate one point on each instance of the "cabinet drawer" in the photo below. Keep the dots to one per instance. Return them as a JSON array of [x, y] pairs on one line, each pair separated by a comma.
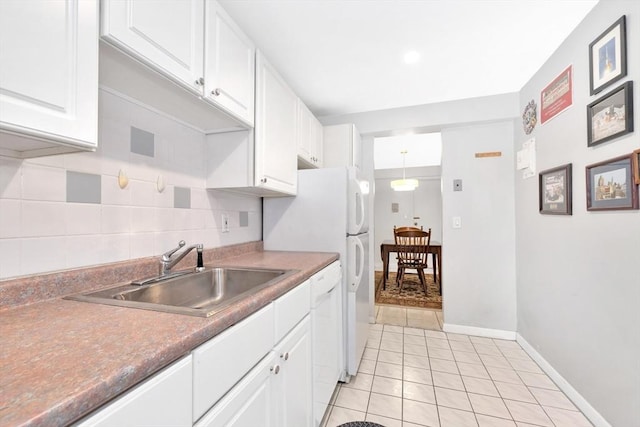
[[223, 361], [291, 308], [164, 399]]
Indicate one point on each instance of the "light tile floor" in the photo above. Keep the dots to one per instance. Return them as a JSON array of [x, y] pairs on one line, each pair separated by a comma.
[[423, 318], [416, 376]]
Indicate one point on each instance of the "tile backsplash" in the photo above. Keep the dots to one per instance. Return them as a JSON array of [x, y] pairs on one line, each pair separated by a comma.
[[70, 211]]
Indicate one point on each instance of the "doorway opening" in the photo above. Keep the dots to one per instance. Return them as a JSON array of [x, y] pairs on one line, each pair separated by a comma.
[[402, 159]]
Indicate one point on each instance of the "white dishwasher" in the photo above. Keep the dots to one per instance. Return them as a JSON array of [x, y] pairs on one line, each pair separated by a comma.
[[326, 335]]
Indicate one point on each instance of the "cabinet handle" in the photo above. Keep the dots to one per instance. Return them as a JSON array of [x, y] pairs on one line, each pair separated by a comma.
[[285, 356], [200, 82], [216, 92], [275, 369]]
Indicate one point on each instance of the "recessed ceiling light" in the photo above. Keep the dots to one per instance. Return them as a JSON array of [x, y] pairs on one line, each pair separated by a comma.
[[411, 57]]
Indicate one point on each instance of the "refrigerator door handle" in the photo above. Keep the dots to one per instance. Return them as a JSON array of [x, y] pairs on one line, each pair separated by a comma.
[[361, 207], [356, 214], [357, 262]]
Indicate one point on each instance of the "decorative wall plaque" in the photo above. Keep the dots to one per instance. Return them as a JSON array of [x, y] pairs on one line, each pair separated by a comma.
[[529, 117]]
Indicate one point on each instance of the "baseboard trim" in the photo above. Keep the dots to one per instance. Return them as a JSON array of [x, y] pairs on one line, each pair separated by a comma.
[[480, 332], [582, 404]]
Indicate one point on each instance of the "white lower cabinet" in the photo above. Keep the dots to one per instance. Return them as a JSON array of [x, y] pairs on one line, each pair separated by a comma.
[[292, 386], [222, 361], [276, 392], [256, 373], [249, 403], [162, 400]]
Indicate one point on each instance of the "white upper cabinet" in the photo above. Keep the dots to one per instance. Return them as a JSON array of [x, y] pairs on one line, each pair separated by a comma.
[[309, 136], [229, 79], [194, 44], [48, 76], [275, 131], [261, 161], [168, 35], [318, 138], [342, 146]]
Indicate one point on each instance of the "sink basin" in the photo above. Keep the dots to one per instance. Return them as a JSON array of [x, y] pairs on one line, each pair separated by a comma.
[[198, 293]]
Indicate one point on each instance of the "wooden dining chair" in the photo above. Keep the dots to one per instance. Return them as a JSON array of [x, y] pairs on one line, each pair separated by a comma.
[[413, 251], [405, 228]]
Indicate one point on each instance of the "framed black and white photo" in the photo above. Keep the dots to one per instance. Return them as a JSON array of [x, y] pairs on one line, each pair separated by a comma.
[[611, 185], [554, 191], [608, 57], [610, 116]]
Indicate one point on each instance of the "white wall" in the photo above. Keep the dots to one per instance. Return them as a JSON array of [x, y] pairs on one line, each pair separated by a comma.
[[577, 281], [430, 117], [475, 118], [41, 232], [479, 258]]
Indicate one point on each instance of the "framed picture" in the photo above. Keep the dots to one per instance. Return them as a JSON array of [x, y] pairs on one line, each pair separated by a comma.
[[554, 191], [636, 165], [608, 56], [610, 185], [610, 116], [557, 96]]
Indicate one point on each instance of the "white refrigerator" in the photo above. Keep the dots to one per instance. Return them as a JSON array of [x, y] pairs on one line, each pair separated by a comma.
[[330, 214]]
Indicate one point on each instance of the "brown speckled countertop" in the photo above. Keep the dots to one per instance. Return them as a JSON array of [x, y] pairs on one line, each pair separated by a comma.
[[61, 359]]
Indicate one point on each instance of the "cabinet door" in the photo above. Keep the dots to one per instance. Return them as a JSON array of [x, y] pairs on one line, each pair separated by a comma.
[[49, 70], [304, 134], [250, 402], [293, 385], [162, 400], [220, 362], [318, 136], [167, 35], [275, 131], [356, 148], [342, 146], [229, 80]]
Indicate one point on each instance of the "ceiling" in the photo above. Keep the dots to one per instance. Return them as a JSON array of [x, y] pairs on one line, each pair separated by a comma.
[[424, 149], [346, 56]]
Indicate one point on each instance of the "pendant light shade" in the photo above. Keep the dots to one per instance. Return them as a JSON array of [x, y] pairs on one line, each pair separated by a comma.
[[404, 184]]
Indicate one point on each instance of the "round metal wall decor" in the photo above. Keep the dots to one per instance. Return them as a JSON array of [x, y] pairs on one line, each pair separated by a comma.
[[529, 117]]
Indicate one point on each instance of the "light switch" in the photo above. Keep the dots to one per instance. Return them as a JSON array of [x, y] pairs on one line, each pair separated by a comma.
[[457, 185], [457, 222]]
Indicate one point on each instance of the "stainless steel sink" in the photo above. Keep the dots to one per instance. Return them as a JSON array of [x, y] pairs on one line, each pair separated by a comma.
[[198, 294]]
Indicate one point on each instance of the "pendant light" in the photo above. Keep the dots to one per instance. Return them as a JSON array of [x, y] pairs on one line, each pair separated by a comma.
[[404, 184]]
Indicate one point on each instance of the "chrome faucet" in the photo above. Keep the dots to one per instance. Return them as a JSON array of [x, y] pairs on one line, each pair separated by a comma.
[[167, 263]]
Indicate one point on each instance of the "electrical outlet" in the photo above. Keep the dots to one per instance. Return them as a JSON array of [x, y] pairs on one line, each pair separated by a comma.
[[225, 223]]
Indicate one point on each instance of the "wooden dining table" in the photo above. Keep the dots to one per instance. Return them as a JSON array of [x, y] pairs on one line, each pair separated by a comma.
[[435, 249]]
